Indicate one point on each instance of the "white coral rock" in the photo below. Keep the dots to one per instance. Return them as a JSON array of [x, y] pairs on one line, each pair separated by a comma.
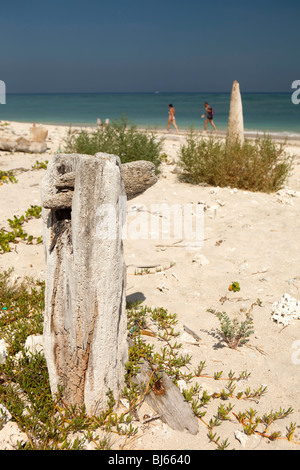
[[286, 310]]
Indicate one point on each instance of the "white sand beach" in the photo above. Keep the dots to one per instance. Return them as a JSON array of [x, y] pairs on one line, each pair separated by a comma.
[[251, 238]]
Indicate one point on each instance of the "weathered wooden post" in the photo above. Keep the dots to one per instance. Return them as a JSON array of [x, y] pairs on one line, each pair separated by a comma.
[[85, 326], [85, 334], [236, 119]]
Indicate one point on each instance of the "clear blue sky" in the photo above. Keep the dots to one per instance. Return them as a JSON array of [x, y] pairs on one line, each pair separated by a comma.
[[141, 46]]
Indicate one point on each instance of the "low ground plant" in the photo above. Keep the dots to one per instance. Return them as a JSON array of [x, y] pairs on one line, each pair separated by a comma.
[[40, 165], [118, 138], [50, 424], [17, 234], [233, 332], [7, 177], [259, 165]]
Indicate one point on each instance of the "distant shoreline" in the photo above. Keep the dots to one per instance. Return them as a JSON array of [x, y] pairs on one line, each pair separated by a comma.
[[271, 113], [252, 134], [278, 136]]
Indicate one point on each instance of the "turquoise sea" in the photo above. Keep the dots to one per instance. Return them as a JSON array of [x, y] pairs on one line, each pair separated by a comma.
[[263, 112]]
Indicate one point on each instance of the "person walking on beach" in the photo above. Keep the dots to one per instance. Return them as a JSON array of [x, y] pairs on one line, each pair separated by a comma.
[[172, 117], [209, 117]]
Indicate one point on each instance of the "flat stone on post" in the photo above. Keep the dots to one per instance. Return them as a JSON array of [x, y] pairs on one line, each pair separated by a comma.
[[137, 177]]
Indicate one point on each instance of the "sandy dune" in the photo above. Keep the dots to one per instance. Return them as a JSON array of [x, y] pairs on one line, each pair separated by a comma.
[[252, 238]]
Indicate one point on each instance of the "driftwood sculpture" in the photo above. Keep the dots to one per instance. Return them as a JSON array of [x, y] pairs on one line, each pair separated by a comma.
[[85, 332], [85, 327], [236, 119]]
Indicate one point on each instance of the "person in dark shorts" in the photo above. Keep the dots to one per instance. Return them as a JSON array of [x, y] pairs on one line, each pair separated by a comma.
[[209, 117]]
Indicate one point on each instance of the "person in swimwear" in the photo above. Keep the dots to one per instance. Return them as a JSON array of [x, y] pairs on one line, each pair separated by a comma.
[[172, 118], [209, 117]]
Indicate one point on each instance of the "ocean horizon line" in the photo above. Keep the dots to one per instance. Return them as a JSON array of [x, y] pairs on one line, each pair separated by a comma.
[[263, 112], [146, 93]]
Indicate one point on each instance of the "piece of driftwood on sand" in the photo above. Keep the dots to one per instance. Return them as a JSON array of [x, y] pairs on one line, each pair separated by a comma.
[[21, 144], [165, 399]]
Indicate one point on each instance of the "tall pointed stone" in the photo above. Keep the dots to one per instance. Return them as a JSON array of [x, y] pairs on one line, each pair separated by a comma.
[[236, 119], [85, 328]]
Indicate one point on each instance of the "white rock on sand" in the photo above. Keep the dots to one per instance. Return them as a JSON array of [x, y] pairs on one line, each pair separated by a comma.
[[11, 437], [246, 232], [286, 310]]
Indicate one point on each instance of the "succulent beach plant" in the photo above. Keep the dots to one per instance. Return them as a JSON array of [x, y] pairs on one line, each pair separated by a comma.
[[50, 424], [234, 333], [234, 287]]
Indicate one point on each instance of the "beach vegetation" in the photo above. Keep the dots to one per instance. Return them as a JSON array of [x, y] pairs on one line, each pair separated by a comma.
[[17, 234], [164, 158], [7, 177], [256, 165], [234, 333], [21, 310], [51, 424], [118, 138], [40, 165], [234, 287]]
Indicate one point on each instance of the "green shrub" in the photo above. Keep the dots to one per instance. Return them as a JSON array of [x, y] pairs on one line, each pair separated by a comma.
[[7, 176], [118, 138], [260, 165], [21, 310]]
